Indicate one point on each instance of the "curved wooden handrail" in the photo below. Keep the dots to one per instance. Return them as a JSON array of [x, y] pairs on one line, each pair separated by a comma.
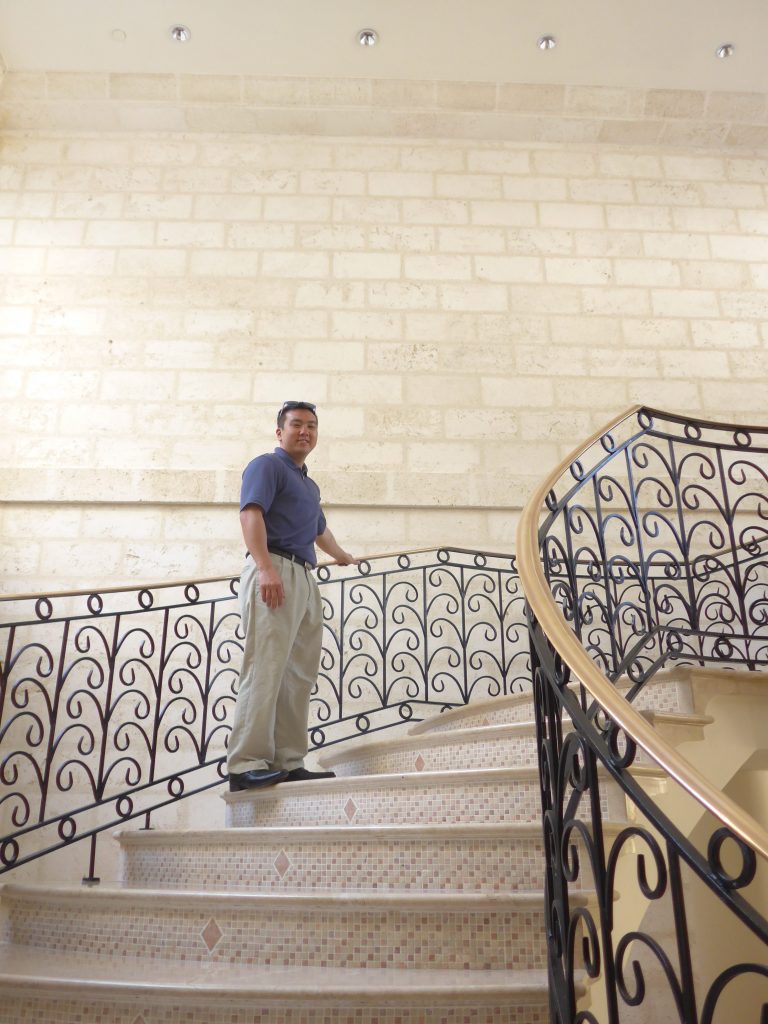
[[167, 584], [567, 645]]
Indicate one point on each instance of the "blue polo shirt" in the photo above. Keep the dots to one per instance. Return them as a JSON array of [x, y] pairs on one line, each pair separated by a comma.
[[289, 501]]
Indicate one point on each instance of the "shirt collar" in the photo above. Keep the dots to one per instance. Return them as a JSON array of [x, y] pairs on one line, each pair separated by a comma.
[[289, 461]]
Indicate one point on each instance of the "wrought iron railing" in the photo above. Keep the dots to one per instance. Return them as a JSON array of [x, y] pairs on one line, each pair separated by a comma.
[[667, 519], [115, 704]]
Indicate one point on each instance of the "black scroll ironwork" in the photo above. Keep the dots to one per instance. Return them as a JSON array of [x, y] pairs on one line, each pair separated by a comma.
[[654, 545], [117, 703]]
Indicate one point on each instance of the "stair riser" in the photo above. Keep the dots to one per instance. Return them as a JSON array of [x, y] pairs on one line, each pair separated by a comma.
[[520, 711], [505, 802], [668, 696], [481, 939], [498, 801], [661, 695], [467, 865], [194, 1009], [504, 752]]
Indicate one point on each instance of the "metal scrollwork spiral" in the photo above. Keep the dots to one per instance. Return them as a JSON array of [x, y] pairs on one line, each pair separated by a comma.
[[654, 546]]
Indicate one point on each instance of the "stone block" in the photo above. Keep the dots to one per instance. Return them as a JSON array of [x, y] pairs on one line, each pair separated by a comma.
[[726, 334], [294, 264], [435, 211], [365, 389], [367, 327], [514, 269], [651, 272], [501, 212], [367, 210], [478, 297], [437, 268], [376, 266], [517, 392], [571, 215], [469, 186], [686, 302]]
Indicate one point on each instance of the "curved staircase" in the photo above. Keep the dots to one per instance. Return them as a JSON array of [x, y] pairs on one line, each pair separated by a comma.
[[407, 889]]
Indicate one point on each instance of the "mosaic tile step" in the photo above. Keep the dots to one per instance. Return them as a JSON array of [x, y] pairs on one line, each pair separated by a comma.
[[494, 746], [427, 930], [494, 795], [667, 691], [490, 795], [94, 990], [515, 707], [460, 858]]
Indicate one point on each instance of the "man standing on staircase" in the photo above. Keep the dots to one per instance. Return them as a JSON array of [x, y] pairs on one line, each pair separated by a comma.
[[282, 521]]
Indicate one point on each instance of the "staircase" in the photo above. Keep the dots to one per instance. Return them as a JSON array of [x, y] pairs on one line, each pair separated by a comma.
[[408, 889]]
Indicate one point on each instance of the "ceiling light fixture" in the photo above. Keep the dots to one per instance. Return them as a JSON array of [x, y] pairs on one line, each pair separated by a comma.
[[726, 50], [368, 37], [118, 35], [180, 34], [546, 42]]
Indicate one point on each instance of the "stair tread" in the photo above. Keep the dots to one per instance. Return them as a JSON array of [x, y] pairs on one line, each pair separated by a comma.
[[492, 830], [436, 739], [676, 718], [395, 779], [369, 898], [24, 967], [489, 706]]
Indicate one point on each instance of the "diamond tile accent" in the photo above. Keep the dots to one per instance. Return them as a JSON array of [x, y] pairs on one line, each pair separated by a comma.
[[350, 809], [211, 935], [282, 863], [419, 764]]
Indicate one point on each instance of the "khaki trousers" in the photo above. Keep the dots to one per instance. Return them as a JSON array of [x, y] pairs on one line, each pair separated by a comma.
[[281, 658]]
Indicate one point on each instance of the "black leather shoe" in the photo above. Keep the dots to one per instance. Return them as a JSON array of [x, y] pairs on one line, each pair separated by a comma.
[[255, 778], [304, 775]]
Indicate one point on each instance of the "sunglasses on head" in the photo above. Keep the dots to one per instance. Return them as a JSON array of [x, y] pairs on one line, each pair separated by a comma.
[[288, 406]]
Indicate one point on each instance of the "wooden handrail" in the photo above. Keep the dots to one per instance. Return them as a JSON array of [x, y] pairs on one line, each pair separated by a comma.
[[167, 584], [567, 645]]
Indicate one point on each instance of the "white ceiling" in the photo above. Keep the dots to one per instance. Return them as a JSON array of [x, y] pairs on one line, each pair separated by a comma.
[[666, 44]]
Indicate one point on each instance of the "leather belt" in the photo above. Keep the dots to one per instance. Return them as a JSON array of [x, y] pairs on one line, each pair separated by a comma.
[[290, 557]]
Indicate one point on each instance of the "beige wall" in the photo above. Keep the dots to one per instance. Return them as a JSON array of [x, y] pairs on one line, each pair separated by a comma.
[[464, 312]]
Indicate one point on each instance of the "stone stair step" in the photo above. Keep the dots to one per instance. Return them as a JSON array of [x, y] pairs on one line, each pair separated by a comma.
[[493, 795], [675, 728], [514, 707], [461, 858], [440, 797], [70, 989], [351, 930], [495, 746], [667, 691], [716, 683]]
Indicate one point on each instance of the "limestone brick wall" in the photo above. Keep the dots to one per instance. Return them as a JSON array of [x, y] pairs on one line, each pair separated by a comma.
[[463, 311]]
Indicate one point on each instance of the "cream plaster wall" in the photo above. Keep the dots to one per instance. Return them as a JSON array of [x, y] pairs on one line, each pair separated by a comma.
[[463, 310]]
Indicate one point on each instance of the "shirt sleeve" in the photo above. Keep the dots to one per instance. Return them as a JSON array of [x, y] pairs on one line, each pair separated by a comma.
[[321, 523], [259, 486]]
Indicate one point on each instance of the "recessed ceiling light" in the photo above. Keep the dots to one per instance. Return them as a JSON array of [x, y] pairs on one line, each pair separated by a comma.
[[726, 50], [368, 37], [118, 35], [546, 42], [180, 34]]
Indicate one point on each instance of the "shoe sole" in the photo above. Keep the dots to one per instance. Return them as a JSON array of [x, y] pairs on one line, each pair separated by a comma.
[[239, 787]]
